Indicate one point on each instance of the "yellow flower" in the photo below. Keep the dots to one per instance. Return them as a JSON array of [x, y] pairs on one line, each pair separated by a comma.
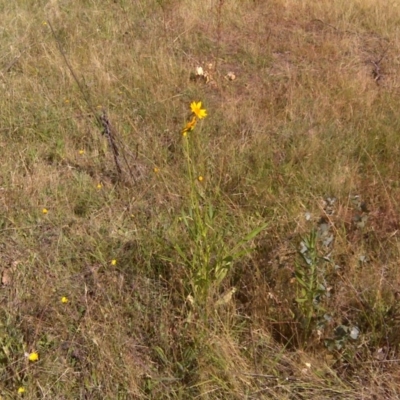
[[99, 186], [189, 126], [45, 211], [33, 357], [156, 170], [197, 110], [21, 390], [200, 178], [81, 152], [64, 300], [113, 262]]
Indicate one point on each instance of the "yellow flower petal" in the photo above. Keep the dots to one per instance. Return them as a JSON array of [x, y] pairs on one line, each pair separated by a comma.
[[113, 262], [21, 390], [190, 125], [45, 211], [64, 300], [197, 110], [33, 357]]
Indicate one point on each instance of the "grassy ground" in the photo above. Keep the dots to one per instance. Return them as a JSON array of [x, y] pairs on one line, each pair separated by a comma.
[[285, 197]]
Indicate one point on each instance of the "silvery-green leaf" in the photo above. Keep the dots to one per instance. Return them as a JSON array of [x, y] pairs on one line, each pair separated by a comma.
[[331, 200], [324, 227], [303, 248], [328, 240], [327, 317], [363, 258], [354, 332]]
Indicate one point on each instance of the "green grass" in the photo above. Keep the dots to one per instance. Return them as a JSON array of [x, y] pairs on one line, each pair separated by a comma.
[[303, 141]]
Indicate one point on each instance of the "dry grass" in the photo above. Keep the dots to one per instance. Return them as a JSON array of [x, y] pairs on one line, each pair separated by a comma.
[[311, 116]]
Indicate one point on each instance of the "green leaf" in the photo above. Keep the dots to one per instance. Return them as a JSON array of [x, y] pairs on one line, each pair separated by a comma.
[[254, 233], [240, 254], [220, 273], [300, 281], [301, 300], [227, 260], [211, 212], [161, 354], [181, 253]]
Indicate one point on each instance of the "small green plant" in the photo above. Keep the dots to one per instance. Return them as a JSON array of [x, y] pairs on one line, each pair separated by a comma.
[[208, 256], [311, 286]]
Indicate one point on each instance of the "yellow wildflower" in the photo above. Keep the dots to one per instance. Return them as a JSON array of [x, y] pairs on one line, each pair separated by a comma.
[[200, 178], [33, 356], [64, 300], [197, 110], [113, 262], [99, 186], [21, 390], [156, 170], [81, 152], [45, 211], [189, 126]]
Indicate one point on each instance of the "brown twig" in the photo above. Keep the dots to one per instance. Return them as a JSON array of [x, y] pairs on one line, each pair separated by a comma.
[[107, 131]]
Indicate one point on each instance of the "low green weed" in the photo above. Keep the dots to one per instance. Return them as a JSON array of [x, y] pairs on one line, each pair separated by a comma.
[[311, 284]]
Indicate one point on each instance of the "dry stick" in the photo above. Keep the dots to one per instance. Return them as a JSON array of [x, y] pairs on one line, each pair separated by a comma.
[[109, 135], [126, 151], [102, 120], [116, 144]]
